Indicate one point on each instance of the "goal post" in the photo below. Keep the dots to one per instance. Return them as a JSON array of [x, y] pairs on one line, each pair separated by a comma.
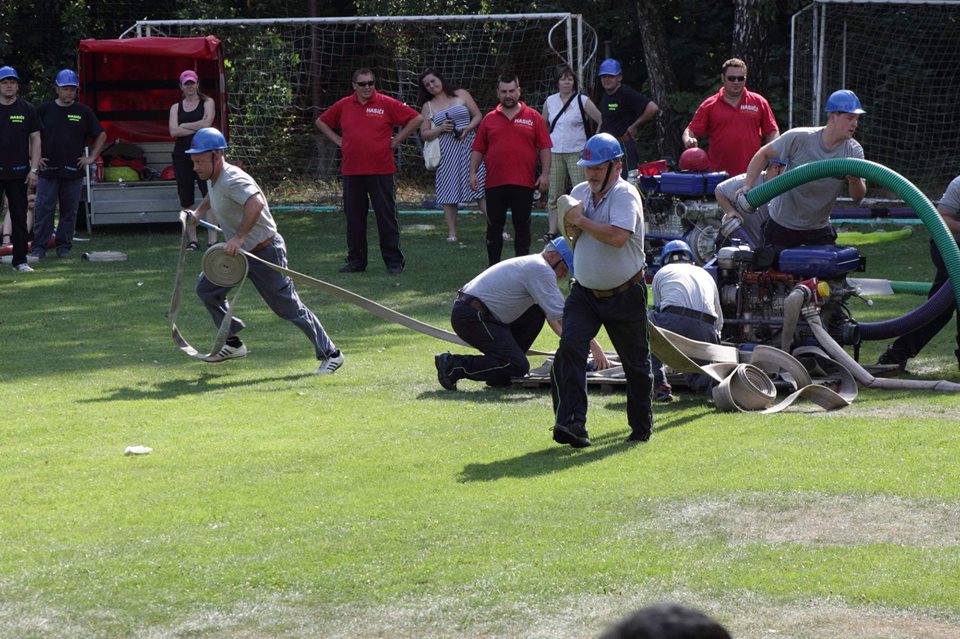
[[900, 58], [282, 73]]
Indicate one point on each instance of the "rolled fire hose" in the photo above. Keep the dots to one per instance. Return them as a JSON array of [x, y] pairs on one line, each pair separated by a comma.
[[231, 271], [909, 193]]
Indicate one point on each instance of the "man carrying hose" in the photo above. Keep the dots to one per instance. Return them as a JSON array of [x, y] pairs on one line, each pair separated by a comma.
[[247, 224], [801, 215]]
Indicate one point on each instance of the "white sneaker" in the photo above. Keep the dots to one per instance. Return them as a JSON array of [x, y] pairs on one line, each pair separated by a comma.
[[330, 365], [229, 352], [506, 235], [23, 268]]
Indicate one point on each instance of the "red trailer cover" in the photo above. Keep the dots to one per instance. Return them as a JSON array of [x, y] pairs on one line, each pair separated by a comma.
[[131, 83]]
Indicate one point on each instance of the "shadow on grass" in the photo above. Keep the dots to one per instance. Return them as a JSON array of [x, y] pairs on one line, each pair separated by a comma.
[[170, 389], [549, 460], [481, 393]]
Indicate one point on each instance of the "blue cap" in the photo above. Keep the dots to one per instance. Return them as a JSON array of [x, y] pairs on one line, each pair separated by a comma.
[[610, 67], [67, 78], [560, 244], [9, 72]]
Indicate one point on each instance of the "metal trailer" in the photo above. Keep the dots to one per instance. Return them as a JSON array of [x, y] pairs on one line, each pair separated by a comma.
[[130, 84]]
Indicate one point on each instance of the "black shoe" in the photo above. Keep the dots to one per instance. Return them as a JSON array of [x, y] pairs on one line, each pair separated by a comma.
[[891, 357], [663, 394], [442, 362], [353, 268], [577, 437], [639, 437], [549, 237], [395, 269]]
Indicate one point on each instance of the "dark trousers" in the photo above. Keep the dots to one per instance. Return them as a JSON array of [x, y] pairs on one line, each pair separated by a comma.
[[776, 235], [277, 290], [186, 177], [691, 327], [631, 158], [625, 317], [504, 346], [519, 199], [16, 192], [359, 193], [909, 345]]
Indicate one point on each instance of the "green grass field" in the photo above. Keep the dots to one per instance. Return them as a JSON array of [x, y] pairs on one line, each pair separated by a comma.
[[373, 503]]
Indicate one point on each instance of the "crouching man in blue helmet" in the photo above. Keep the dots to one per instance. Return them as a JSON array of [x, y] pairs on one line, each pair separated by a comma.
[[245, 218], [609, 291], [500, 313], [802, 215], [687, 302]]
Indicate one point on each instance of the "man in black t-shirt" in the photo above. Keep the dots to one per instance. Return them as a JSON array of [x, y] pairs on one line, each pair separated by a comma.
[[19, 159], [67, 126], [624, 110]]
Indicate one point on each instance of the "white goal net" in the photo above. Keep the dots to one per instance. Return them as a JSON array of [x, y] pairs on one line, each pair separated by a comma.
[[901, 59], [281, 74]]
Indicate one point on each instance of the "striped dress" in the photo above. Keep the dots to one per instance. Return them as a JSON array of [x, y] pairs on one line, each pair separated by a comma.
[[453, 174]]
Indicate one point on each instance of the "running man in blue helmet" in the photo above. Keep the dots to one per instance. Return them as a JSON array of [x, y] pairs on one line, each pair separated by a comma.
[[247, 224], [501, 312], [607, 219], [802, 215]]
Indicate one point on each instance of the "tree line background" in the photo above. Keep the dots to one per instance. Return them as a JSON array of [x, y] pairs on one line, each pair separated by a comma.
[[670, 49]]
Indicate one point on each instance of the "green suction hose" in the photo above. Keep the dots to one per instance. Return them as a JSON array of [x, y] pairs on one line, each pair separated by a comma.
[[875, 173]]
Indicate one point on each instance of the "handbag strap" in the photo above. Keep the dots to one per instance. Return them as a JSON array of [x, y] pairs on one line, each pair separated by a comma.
[[583, 116], [565, 105]]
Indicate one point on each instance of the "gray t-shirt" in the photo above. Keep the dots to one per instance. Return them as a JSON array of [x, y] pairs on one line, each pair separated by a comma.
[[510, 287], [687, 286], [808, 206], [228, 195], [752, 227], [950, 201], [602, 266]]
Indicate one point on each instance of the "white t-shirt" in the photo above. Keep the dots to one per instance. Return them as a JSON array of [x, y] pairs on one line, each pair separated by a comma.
[[568, 135], [510, 287], [228, 195]]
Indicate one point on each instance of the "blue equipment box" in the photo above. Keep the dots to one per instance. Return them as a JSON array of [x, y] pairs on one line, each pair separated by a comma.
[[691, 184], [819, 261]]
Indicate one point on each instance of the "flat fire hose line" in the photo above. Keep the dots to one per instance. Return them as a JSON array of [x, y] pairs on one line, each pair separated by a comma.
[[231, 271]]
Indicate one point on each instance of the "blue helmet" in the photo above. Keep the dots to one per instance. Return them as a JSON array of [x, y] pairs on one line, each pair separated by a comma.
[[9, 72], [207, 139], [560, 245], [676, 251], [843, 101], [601, 148], [67, 78], [610, 67]]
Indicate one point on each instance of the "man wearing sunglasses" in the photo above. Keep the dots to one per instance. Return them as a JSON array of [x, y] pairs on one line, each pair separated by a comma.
[[367, 120], [737, 121]]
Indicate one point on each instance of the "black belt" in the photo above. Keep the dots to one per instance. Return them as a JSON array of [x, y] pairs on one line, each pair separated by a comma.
[[619, 289], [474, 302], [689, 312]]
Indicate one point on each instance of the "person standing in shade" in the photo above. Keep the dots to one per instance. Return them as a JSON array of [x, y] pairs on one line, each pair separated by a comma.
[[609, 292], [19, 160], [510, 141], [736, 120], [501, 312], [194, 111], [624, 110], [248, 225], [67, 128], [366, 120], [566, 113]]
